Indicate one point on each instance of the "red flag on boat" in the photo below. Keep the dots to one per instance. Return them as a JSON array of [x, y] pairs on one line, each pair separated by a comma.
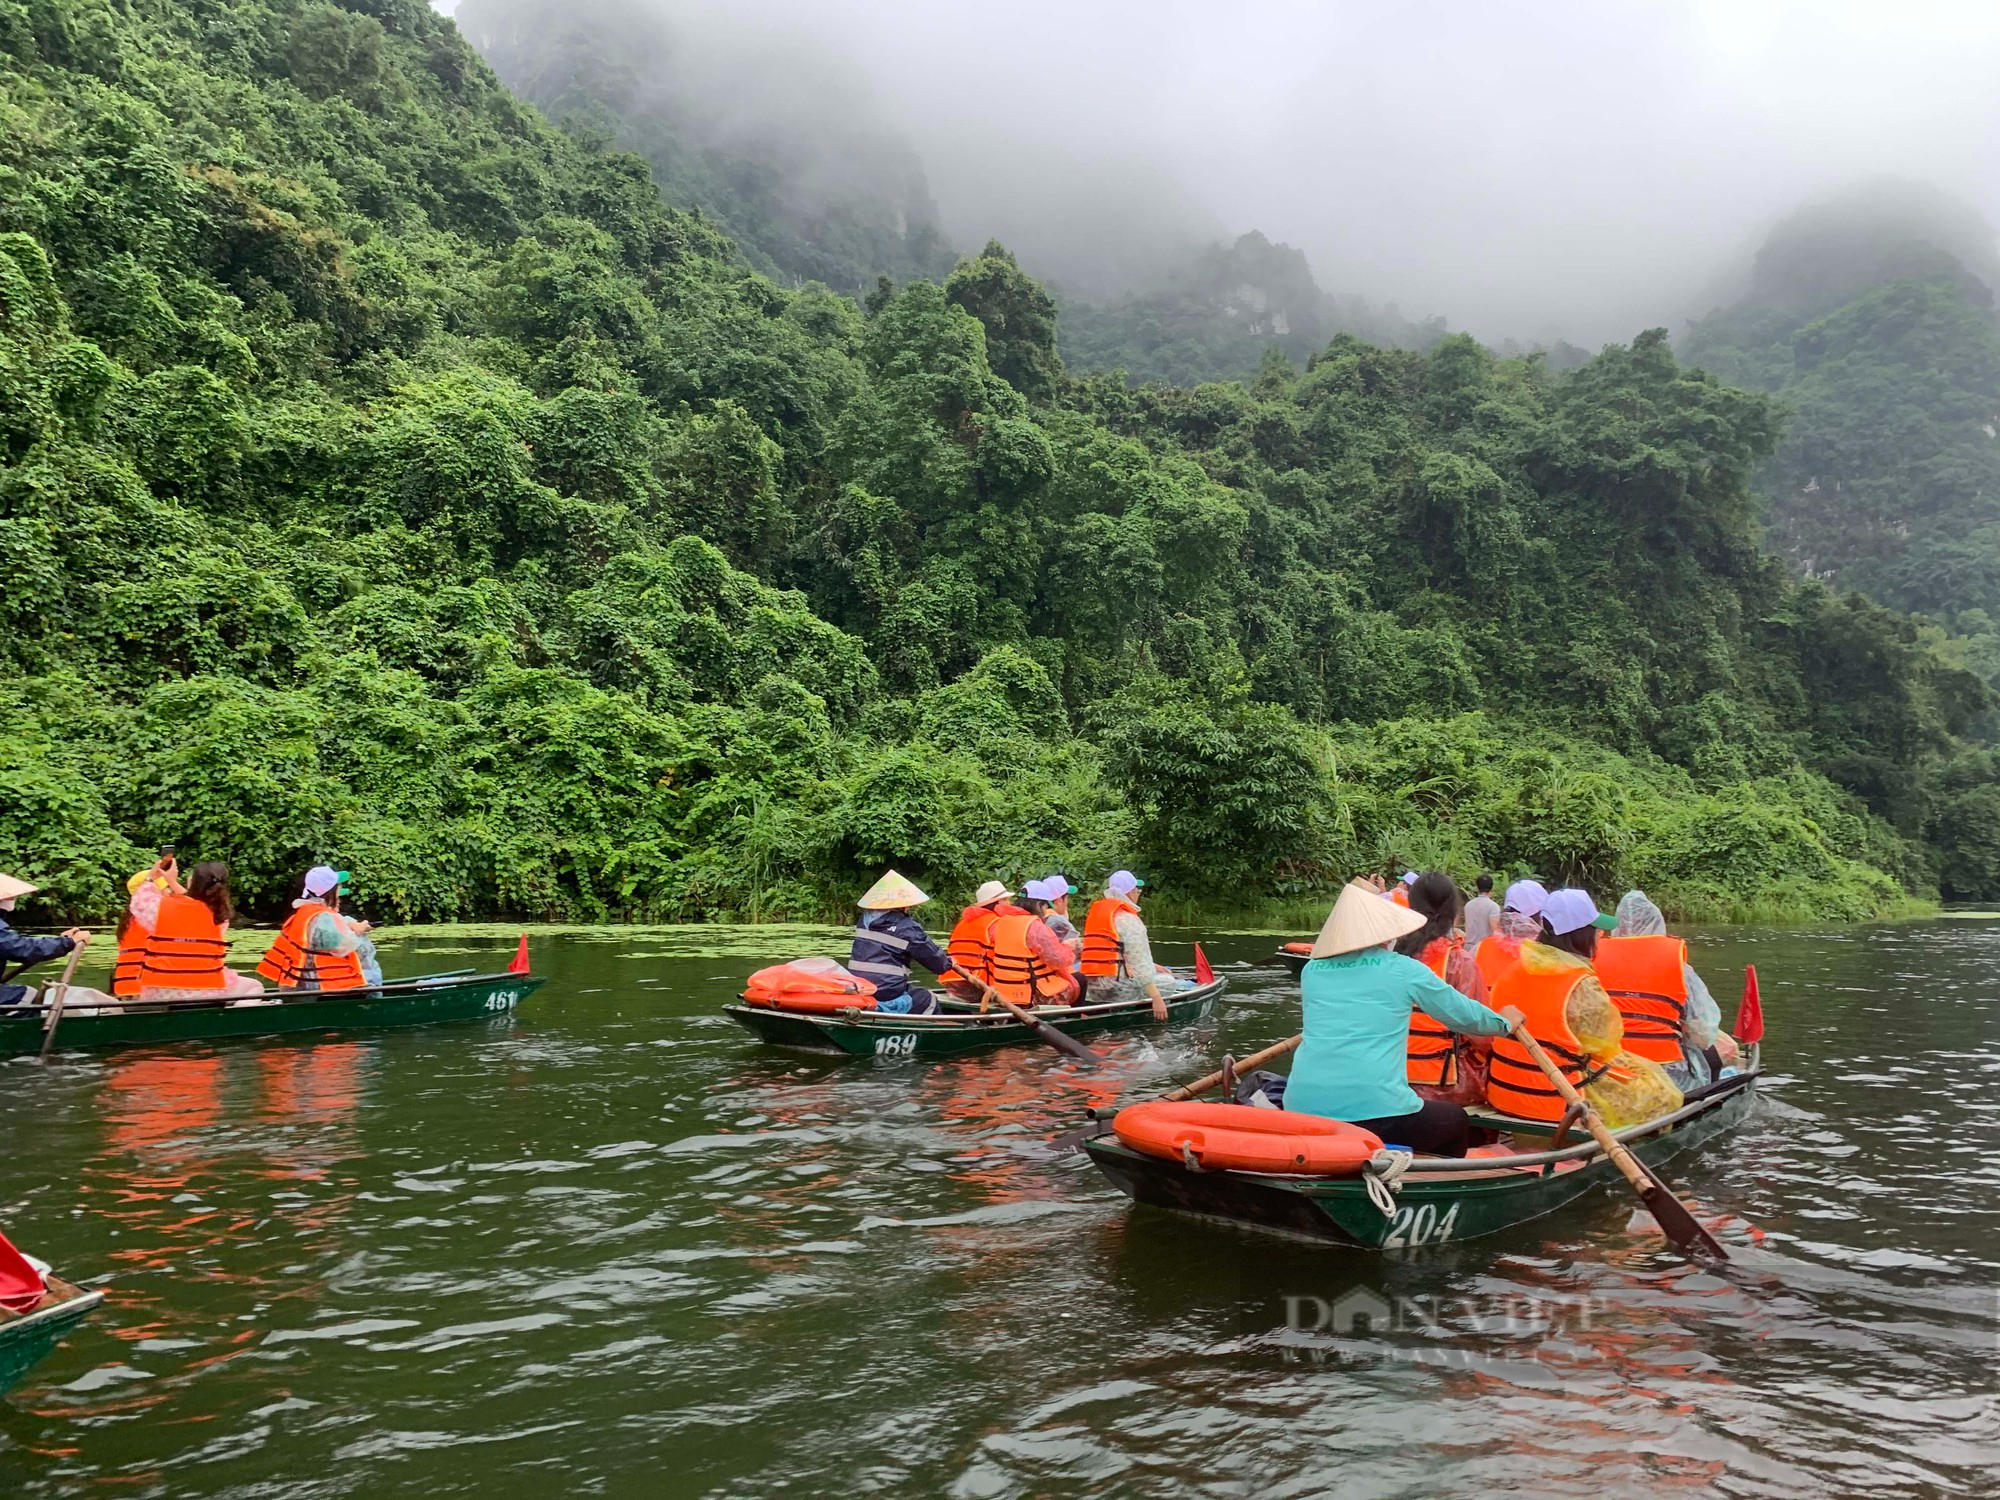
[[520, 963], [21, 1285], [1750, 1014], [1203, 974]]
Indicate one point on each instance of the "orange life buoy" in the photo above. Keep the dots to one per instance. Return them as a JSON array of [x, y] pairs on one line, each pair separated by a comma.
[[1243, 1138], [813, 1002], [1304, 950], [816, 986]]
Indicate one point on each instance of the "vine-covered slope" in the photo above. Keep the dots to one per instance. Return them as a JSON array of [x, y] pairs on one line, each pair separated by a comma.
[[389, 477]]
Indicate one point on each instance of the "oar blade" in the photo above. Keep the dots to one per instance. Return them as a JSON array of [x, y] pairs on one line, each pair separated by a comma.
[[1688, 1234], [1062, 1041]]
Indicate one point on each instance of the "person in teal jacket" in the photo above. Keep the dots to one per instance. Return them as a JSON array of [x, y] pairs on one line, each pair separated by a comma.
[[1358, 996]]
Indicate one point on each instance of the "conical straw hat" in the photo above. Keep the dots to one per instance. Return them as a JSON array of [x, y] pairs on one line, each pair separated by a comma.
[[12, 886], [892, 893], [1362, 918]]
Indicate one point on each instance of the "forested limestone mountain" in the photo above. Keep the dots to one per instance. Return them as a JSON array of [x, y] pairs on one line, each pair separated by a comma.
[[782, 151], [389, 477], [1873, 317], [1219, 318], [792, 160]]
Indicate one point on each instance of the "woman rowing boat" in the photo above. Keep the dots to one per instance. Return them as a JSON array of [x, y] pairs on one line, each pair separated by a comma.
[[1359, 996]]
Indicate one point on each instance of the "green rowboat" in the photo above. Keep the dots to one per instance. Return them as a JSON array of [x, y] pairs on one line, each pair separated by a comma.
[[1438, 1201], [867, 1033], [26, 1337], [423, 1001]]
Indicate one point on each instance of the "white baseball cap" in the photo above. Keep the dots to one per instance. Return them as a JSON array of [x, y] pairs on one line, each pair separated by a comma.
[[1038, 890], [322, 878], [1527, 897], [1409, 877], [1569, 909], [1122, 883]]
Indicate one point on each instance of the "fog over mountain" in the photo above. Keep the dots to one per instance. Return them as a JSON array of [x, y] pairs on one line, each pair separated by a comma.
[[1529, 171]]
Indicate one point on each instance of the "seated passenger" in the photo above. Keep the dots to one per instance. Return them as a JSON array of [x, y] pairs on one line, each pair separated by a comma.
[[1057, 916], [1566, 1011], [887, 938], [1669, 1014], [20, 949], [318, 948], [1358, 997], [1520, 922], [970, 945], [189, 941], [1443, 1064], [135, 923], [1118, 954], [1482, 915], [1030, 964]]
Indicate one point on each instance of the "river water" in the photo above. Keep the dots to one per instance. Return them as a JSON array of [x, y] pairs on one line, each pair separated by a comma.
[[611, 1246]]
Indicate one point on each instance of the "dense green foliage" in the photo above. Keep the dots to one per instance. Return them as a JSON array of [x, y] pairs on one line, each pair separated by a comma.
[[388, 477], [1884, 344]]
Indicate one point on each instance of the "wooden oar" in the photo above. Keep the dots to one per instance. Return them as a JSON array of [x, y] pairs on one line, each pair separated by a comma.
[[1059, 1040], [61, 989], [1070, 1139], [1256, 1059], [1669, 1212]]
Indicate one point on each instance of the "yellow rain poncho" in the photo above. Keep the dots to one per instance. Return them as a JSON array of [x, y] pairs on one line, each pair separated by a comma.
[[1631, 1088]]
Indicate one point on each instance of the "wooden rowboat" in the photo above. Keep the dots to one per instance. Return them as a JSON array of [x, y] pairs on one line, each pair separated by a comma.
[[1293, 956], [26, 1337], [870, 1033], [1438, 1201], [423, 1001]]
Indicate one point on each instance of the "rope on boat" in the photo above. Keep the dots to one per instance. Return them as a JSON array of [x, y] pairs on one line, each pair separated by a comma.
[[1383, 1175]]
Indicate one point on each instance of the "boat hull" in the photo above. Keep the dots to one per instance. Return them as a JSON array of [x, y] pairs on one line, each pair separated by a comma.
[[25, 1339], [862, 1033], [1431, 1208], [414, 1002]]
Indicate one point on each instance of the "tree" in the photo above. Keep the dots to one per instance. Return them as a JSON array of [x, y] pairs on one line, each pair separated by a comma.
[[1018, 315]]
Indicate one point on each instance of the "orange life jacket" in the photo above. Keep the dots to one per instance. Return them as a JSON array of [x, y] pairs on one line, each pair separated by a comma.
[[1399, 894], [131, 958], [1433, 1047], [185, 949], [290, 962], [970, 945], [1517, 1086], [1103, 954], [1495, 955], [1646, 978], [1018, 972]]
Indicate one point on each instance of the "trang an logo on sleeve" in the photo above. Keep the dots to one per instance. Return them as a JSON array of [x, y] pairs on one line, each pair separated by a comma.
[[1367, 1323]]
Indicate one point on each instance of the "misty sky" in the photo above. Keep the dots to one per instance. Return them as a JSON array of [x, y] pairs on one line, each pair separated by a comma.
[[1573, 168]]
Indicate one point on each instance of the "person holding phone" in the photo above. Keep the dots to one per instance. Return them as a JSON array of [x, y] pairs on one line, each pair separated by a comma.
[[141, 914]]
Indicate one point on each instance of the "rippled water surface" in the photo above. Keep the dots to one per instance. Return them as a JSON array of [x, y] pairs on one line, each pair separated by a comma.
[[612, 1246]]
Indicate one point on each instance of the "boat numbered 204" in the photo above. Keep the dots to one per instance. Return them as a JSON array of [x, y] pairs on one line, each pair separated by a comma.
[[1415, 1225]]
